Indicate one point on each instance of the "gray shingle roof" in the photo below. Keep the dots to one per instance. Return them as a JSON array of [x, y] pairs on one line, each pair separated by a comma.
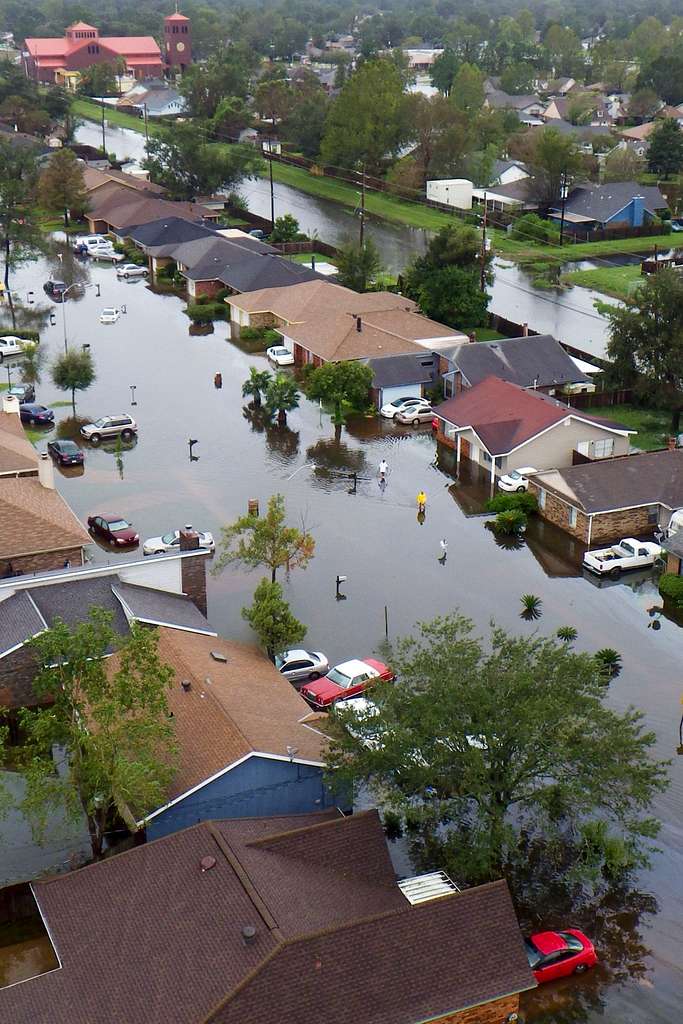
[[71, 601], [648, 478], [602, 202], [160, 607], [167, 230], [19, 619], [263, 271], [395, 371], [523, 361]]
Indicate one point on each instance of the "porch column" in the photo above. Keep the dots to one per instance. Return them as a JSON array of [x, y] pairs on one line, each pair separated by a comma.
[[493, 475], [457, 455]]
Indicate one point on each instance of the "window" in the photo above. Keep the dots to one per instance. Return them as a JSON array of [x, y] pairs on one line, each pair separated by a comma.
[[185, 29], [486, 456], [541, 498], [572, 517], [604, 448], [175, 30]]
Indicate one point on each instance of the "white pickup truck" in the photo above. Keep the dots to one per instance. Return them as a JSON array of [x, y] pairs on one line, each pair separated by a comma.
[[627, 554]]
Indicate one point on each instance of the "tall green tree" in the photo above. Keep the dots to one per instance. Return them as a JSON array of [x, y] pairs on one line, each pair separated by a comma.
[[503, 753], [345, 385], [266, 541], [646, 342], [467, 91], [224, 75], [73, 371], [444, 70], [271, 619], [282, 396], [20, 235], [110, 720], [305, 122], [665, 154], [554, 158], [32, 362], [358, 266], [98, 80], [188, 166], [62, 186], [366, 123], [446, 280], [623, 165]]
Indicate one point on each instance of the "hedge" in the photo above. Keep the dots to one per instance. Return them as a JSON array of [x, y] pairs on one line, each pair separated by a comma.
[[671, 586], [504, 502], [207, 312]]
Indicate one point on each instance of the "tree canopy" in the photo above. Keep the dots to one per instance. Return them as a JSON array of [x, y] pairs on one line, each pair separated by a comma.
[[345, 385], [266, 540], [187, 165], [62, 185], [271, 619], [446, 281], [73, 371], [665, 153]]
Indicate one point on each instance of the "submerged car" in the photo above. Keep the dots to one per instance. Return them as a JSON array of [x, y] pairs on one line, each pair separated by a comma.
[[66, 453], [114, 528], [554, 955], [300, 665], [349, 679], [626, 554], [517, 479], [131, 270], [109, 315], [390, 410], [110, 426], [32, 412], [280, 355], [171, 542]]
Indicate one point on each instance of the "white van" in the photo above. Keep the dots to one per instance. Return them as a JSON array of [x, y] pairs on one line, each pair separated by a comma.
[[90, 242]]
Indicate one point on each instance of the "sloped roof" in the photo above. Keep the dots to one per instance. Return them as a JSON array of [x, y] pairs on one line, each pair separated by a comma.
[[160, 607], [394, 371], [337, 337], [534, 361], [504, 416], [303, 301], [36, 519], [258, 270], [601, 202], [639, 132], [170, 230], [95, 178], [506, 101], [121, 207], [19, 619], [17, 454], [321, 895]]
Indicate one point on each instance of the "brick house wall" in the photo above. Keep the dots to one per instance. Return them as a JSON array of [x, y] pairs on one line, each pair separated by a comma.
[[210, 288], [17, 671], [45, 560], [496, 1012], [607, 527], [193, 570]]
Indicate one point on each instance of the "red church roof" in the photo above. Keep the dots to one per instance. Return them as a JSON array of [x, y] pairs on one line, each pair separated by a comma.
[[81, 26], [176, 17]]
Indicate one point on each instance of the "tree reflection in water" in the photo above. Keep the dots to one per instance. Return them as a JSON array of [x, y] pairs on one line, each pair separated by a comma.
[[335, 463]]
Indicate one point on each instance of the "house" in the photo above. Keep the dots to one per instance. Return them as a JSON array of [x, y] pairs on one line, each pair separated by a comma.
[[598, 502], [529, 109], [422, 59], [517, 196], [537, 362], [370, 334], [396, 376], [640, 132], [555, 86], [617, 204], [39, 530], [163, 590], [584, 135], [95, 178], [597, 110], [248, 743], [115, 206], [152, 98], [299, 303], [239, 268], [501, 426], [506, 171], [239, 921]]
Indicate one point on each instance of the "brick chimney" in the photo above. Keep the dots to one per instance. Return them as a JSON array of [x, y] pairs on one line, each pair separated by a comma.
[[10, 403], [193, 570]]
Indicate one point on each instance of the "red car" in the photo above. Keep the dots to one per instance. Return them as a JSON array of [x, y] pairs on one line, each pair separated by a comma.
[[113, 528], [556, 954], [346, 680]]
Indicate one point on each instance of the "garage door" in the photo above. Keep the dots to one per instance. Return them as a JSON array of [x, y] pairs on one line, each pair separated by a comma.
[[389, 394]]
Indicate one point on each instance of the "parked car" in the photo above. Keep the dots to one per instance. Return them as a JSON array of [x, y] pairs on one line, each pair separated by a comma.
[[280, 355], [66, 453], [106, 255], [676, 224], [24, 392], [11, 346], [81, 242], [299, 665], [557, 954], [517, 479], [171, 542], [55, 289], [257, 233], [110, 426], [626, 554], [32, 412], [113, 528], [390, 410], [131, 270], [345, 680], [415, 414], [109, 315]]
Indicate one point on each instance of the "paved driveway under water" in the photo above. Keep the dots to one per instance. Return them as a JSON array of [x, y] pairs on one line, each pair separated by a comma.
[[390, 559]]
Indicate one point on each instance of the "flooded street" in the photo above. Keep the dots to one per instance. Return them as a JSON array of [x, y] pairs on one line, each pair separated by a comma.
[[373, 538]]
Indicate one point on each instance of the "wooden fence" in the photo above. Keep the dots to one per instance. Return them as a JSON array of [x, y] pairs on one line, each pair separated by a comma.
[[622, 396]]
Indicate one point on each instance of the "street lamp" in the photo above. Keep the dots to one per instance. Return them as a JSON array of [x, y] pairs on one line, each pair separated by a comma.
[[66, 291]]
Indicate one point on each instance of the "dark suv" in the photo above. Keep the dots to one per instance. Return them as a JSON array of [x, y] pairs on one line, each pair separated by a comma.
[[24, 392]]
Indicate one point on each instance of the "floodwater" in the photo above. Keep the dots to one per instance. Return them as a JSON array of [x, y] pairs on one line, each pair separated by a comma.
[[568, 315], [391, 561]]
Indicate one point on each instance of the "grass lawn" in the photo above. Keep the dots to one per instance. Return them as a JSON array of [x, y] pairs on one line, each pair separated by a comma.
[[487, 334], [653, 425], [84, 107], [305, 257], [617, 281]]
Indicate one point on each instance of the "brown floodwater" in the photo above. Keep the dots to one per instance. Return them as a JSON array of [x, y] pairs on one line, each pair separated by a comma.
[[391, 560]]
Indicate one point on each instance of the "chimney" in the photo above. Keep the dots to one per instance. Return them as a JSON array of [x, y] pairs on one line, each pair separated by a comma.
[[46, 473], [638, 215], [10, 403], [193, 570], [359, 324], [525, 330]]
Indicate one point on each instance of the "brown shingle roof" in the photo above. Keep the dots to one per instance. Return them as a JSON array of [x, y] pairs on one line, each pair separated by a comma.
[[301, 302], [120, 207], [337, 337], [232, 708], [17, 454], [35, 519], [150, 938], [95, 179]]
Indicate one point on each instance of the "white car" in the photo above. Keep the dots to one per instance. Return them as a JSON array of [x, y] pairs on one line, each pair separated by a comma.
[[299, 665], [517, 480], [171, 542], [131, 270], [89, 242], [11, 346], [109, 315], [627, 554], [390, 410], [280, 356]]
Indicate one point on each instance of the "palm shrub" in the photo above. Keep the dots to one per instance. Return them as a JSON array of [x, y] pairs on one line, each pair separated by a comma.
[[282, 395], [567, 634], [531, 606], [512, 521], [609, 661], [256, 385]]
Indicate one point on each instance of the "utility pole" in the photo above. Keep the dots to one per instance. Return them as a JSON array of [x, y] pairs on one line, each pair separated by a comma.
[[104, 140], [563, 196], [362, 207], [272, 191], [482, 278], [144, 110]]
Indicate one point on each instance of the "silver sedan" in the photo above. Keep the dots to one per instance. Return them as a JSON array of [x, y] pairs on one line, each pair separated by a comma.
[[299, 666], [415, 414]]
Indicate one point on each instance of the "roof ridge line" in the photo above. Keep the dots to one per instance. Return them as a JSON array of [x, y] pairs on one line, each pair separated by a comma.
[[245, 881], [317, 826]]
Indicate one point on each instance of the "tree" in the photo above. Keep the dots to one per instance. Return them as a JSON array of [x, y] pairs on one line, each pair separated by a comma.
[[20, 235], [305, 123], [503, 758], [665, 155], [442, 134], [266, 540], [188, 166], [33, 362], [643, 103], [110, 719], [62, 186], [273, 97], [518, 79], [256, 385], [444, 70], [554, 158], [231, 116], [446, 281], [467, 91], [646, 342], [623, 165], [225, 75], [98, 80], [282, 395], [271, 619], [344, 384], [285, 229], [358, 266], [366, 122], [73, 371]]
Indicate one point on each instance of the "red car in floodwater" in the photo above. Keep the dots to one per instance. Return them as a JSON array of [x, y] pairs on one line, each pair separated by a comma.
[[114, 528], [556, 954], [349, 679]]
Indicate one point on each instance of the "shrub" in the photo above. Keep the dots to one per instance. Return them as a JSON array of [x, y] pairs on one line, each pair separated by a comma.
[[205, 313], [671, 587], [532, 228], [202, 300], [503, 502], [511, 521]]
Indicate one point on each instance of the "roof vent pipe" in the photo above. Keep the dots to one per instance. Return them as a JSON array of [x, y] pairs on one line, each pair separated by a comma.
[[186, 685], [248, 935], [359, 324]]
